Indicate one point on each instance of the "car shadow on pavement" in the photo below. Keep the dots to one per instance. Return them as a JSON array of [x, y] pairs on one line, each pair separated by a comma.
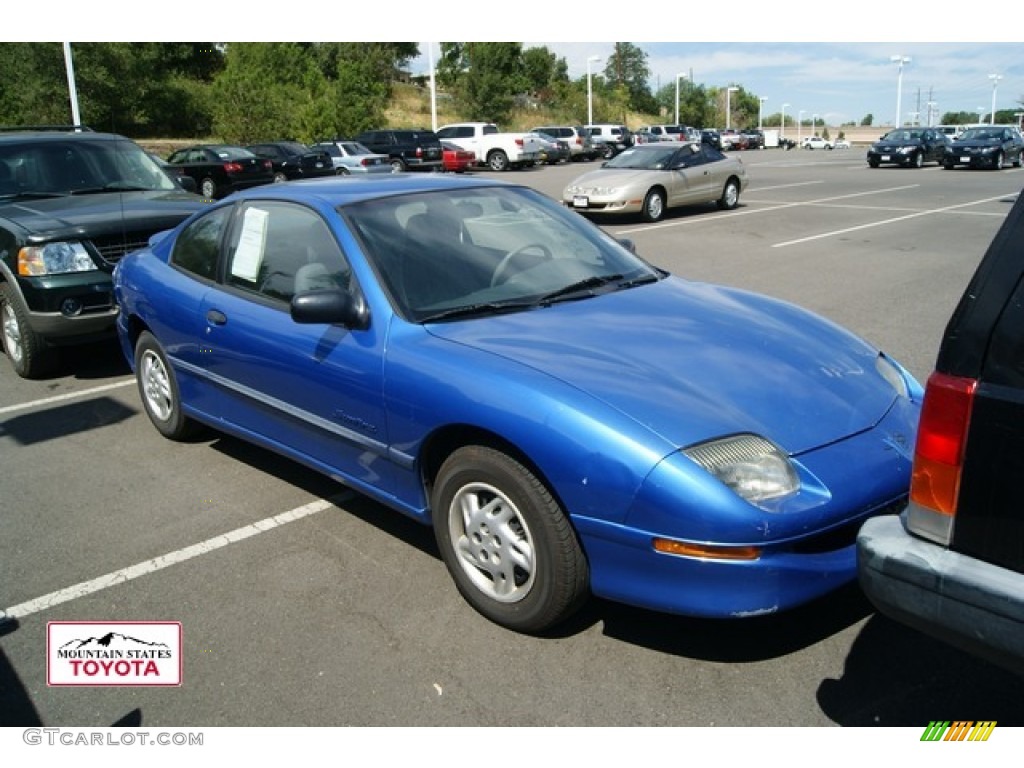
[[754, 638], [896, 676]]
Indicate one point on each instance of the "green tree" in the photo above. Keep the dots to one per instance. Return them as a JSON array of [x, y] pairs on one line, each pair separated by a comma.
[[627, 68], [485, 77], [867, 120]]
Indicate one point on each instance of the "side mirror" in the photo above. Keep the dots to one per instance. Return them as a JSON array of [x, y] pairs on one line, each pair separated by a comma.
[[330, 307]]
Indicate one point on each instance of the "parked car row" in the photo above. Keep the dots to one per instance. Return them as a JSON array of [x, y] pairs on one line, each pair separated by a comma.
[[992, 147]]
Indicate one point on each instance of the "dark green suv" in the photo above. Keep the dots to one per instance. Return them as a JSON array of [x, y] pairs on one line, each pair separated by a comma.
[[72, 203]]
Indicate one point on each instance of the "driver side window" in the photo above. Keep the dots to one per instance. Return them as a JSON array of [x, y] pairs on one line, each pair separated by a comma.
[[281, 249]]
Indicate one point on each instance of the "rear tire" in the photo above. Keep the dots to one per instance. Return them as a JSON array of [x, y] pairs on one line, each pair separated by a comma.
[[730, 195], [158, 388], [208, 188], [654, 206], [497, 160]]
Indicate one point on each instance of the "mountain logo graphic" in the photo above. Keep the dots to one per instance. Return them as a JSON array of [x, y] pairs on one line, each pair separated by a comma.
[[114, 654]]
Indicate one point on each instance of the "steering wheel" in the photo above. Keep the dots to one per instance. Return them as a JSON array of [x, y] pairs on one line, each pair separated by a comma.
[[499, 271]]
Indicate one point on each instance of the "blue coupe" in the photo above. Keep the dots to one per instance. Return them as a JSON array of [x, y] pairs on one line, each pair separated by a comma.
[[570, 419]]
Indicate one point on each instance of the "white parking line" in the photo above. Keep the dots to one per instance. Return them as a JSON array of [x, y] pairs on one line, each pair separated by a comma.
[[768, 207], [62, 398], [171, 558], [884, 222]]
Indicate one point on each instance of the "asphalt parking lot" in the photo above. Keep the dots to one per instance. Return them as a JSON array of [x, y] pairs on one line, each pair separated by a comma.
[[303, 603]]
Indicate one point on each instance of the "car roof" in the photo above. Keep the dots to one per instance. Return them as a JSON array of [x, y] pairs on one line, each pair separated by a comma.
[[47, 133], [340, 191]]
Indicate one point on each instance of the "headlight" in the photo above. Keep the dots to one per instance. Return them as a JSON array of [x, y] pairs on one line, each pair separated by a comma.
[[905, 150], [754, 468], [54, 259]]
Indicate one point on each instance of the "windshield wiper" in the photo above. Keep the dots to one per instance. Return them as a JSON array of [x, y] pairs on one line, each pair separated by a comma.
[[485, 308], [115, 186], [581, 290]]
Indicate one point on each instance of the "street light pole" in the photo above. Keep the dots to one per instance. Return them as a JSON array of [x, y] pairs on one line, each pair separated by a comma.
[[814, 124], [782, 131], [995, 82], [728, 105], [760, 114], [680, 75], [799, 124], [590, 91], [900, 61]]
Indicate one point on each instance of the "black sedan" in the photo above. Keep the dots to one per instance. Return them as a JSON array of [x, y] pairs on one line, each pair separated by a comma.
[[991, 146], [909, 147], [294, 160], [220, 169]]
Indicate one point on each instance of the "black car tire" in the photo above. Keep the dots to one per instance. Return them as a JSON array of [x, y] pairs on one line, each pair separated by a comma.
[[28, 352], [608, 152], [873, 163], [949, 165], [918, 160], [654, 205], [280, 177], [397, 165], [997, 162], [208, 188], [497, 160], [506, 541], [158, 388], [730, 195], [1019, 162], [342, 171]]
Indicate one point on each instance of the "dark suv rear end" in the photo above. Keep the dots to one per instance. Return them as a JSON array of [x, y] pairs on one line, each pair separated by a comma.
[[952, 565], [409, 150], [72, 203]]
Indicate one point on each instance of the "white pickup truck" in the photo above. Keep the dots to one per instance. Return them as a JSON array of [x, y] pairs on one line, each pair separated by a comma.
[[498, 151]]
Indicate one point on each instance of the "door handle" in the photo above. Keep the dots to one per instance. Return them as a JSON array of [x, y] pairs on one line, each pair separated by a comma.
[[216, 317]]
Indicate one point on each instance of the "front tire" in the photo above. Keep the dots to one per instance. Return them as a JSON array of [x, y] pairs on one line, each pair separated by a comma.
[[654, 206], [506, 542], [497, 160], [30, 355], [997, 162], [730, 195], [158, 388]]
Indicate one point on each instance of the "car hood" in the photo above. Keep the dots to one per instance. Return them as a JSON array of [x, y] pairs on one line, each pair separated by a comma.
[[887, 145], [975, 143], [613, 177], [100, 214], [694, 361]]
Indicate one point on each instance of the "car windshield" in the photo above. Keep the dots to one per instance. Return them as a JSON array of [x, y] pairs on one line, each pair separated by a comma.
[[902, 135], [649, 157], [355, 148], [294, 147], [232, 153], [472, 252], [79, 166], [980, 134]]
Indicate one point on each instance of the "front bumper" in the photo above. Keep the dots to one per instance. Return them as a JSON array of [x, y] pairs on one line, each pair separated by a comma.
[[970, 159], [70, 307], [963, 601]]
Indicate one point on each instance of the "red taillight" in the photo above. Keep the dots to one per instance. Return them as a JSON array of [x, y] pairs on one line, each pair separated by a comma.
[[519, 142], [941, 440], [233, 167], [419, 151], [366, 161]]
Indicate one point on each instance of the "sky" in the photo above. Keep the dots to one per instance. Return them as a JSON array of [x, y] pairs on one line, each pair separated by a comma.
[[772, 48], [841, 81]]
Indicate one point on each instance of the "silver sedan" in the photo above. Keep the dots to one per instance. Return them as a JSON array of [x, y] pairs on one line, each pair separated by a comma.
[[651, 178]]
